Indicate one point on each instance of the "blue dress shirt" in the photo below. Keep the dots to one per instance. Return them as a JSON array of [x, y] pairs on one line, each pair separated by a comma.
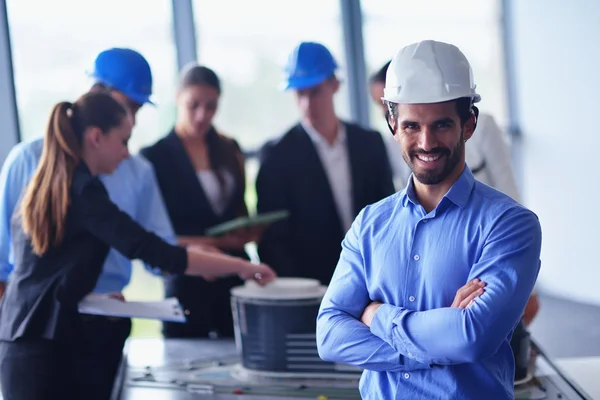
[[132, 187], [414, 262]]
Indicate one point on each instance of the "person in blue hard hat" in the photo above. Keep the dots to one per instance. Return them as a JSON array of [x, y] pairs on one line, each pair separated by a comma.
[[126, 75], [322, 170], [62, 232]]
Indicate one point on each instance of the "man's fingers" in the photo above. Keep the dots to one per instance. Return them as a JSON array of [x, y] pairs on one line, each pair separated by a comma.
[[470, 287], [466, 302], [465, 292]]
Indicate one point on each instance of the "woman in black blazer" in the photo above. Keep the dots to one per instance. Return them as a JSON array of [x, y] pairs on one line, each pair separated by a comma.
[[61, 236], [202, 178]]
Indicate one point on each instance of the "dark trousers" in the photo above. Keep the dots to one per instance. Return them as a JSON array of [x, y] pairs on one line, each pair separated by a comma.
[[100, 353], [85, 368], [38, 369]]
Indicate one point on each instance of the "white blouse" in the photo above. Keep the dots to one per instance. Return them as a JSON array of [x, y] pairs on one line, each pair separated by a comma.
[[218, 199]]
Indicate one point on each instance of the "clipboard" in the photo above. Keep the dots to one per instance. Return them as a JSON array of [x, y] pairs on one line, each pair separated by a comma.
[[166, 310], [247, 222]]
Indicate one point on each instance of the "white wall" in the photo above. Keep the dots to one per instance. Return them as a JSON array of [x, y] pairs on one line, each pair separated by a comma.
[[557, 69]]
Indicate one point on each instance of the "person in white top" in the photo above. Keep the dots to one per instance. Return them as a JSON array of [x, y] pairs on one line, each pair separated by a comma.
[[487, 154], [202, 178]]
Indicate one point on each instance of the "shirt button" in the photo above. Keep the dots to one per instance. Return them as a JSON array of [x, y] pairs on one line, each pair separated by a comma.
[[406, 376], [425, 220], [416, 257], [411, 298]]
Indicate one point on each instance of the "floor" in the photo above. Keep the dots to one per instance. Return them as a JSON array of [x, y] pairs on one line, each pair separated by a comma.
[[564, 328]]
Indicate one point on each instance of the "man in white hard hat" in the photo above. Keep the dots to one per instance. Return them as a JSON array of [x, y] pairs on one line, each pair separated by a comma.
[[432, 280], [487, 154]]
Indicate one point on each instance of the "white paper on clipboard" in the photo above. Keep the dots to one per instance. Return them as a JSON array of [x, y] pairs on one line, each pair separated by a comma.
[[165, 310]]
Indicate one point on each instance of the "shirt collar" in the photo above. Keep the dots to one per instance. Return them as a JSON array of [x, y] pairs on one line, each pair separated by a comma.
[[319, 140], [409, 192], [458, 194]]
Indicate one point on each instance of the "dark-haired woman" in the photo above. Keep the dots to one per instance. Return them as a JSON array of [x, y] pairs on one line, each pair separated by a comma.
[[202, 178], [62, 233]]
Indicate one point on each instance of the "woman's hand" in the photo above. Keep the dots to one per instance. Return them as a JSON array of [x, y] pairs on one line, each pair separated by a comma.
[[209, 248], [233, 240], [261, 273], [210, 265]]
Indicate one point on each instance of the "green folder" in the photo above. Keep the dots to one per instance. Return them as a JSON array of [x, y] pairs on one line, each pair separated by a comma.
[[247, 222]]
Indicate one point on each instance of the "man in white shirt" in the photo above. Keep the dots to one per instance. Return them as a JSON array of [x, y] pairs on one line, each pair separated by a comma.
[[323, 171]]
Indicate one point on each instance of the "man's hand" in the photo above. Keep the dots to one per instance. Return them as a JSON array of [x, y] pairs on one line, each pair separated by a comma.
[[464, 297], [369, 313], [466, 294]]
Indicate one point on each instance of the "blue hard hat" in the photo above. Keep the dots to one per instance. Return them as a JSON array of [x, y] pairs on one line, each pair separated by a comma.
[[308, 65], [125, 70]]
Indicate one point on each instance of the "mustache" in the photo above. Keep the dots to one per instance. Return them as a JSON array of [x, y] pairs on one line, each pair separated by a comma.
[[435, 150]]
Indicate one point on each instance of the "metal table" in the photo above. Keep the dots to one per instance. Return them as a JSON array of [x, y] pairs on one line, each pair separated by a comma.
[[159, 369]]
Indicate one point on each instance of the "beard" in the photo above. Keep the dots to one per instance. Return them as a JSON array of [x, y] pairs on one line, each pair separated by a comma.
[[432, 177]]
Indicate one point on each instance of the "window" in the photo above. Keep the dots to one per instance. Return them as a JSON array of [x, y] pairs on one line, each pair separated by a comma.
[[247, 44], [53, 48], [474, 26]]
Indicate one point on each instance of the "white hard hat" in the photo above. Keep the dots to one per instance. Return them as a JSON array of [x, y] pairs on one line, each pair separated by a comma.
[[429, 72]]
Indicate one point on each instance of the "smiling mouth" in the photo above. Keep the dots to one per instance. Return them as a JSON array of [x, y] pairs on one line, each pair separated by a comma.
[[429, 157]]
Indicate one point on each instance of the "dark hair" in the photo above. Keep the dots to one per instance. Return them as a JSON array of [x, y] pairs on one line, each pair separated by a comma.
[[379, 76], [46, 199], [464, 109], [199, 75], [220, 155]]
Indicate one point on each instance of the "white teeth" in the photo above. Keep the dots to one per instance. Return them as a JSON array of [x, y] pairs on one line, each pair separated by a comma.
[[428, 158]]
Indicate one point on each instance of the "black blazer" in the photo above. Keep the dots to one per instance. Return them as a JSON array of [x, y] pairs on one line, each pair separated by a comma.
[[42, 296], [292, 177], [191, 214]]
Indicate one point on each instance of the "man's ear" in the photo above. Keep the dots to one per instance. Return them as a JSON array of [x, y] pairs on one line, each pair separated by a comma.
[[335, 84], [391, 122], [469, 127]]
